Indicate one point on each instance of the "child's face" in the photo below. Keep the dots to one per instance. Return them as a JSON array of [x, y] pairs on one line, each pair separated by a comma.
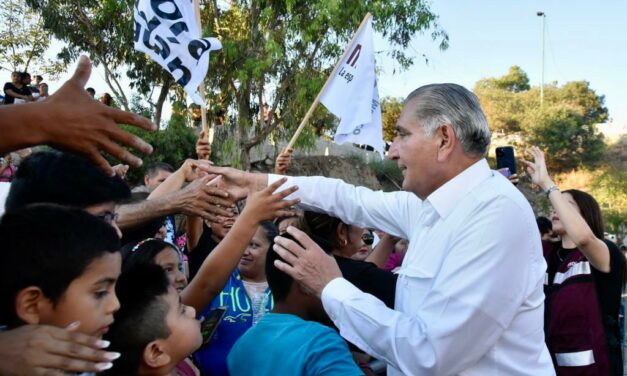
[[89, 299], [185, 335], [253, 260], [169, 260]]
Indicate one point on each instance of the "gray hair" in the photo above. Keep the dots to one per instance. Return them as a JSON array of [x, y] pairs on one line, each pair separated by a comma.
[[455, 105]]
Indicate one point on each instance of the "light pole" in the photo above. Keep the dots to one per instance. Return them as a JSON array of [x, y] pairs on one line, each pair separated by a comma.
[[541, 14]]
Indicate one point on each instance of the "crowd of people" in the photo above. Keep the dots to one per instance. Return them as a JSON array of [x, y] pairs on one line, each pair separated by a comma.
[[207, 270]]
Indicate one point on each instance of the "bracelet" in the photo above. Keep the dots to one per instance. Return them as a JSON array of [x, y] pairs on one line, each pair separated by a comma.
[[551, 189]]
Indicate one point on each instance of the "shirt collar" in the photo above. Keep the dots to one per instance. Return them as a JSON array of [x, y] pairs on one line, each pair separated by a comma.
[[445, 198]]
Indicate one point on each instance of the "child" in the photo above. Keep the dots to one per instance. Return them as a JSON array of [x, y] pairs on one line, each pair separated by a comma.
[[153, 330], [290, 341], [59, 268]]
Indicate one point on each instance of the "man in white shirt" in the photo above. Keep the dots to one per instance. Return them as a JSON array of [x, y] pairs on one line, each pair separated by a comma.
[[469, 297]]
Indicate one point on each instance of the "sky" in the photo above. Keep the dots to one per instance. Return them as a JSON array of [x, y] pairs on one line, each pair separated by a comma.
[[584, 40]]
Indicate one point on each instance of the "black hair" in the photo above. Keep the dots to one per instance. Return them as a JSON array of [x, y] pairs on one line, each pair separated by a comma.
[[141, 319], [65, 179], [279, 282], [590, 211], [23, 75], [38, 77], [147, 229], [154, 168], [544, 225], [48, 246], [90, 90], [270, 229], [143, 252], [324, 226]]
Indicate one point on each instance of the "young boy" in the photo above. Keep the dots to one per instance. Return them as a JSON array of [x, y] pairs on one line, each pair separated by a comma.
[[59, 267], [153, 330], [290, 341]]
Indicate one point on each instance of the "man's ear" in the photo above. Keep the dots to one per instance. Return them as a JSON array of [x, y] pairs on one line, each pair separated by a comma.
[[447, 141], [155, 355], [146, 178], [31, 304]]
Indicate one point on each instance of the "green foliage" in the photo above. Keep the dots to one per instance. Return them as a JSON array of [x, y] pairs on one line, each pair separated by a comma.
[[566, 139], [387, 170], [564, 126], [172, 145], [104, 30], [390, 111], [608, 188], [281, 52], [24, 41]]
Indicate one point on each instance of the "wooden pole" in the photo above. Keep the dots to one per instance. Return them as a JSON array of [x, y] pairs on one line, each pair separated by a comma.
[[201, 90], [316, 102]]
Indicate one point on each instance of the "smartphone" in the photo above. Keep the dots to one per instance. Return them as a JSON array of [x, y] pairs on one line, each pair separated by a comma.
[[505, 159], [210, 324]]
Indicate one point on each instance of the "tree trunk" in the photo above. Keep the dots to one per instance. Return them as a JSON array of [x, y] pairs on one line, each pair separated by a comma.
[[163, 94]]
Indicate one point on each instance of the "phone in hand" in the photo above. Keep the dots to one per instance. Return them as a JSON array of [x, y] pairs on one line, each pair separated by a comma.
[[210, 323], [505, 159]]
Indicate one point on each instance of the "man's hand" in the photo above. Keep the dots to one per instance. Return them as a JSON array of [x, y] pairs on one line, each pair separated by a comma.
[[190, 169], [283, 161], [47, 350], [238, 183], [202, 200], [203, 149], [305, 262], [76, 122]]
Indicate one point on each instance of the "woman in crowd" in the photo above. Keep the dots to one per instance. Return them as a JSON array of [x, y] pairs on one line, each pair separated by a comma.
[[246, 298], [586, 275], [159, 252]]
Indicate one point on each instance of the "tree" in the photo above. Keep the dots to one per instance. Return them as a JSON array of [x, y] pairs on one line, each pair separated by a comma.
[[24, 41], [564, 126], [280, 53], [104, 30], [390, 111]]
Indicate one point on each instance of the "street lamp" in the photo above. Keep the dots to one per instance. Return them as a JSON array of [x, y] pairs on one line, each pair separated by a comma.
[[541, 14]]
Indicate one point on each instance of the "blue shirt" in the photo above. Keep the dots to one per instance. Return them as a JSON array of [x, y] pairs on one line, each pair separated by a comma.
[[284, 344], [238, 319]]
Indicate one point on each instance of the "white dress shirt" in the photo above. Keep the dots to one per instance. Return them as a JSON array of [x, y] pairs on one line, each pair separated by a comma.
[[469, 298]]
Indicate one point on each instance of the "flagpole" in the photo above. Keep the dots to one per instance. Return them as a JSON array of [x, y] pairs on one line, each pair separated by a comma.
[[316, 102], [201, 90]]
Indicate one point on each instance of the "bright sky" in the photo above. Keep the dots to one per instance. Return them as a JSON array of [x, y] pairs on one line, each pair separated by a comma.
[[584, 40]]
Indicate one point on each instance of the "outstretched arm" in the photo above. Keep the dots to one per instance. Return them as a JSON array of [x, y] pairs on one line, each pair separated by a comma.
[[218, 266], [595, 250], [70, 119]]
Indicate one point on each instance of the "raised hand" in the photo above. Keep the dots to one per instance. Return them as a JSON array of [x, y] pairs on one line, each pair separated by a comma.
[[200, 199], [76, 122], [283, 161], [267, 205], [203, 149], [537, 169], [238, 183]]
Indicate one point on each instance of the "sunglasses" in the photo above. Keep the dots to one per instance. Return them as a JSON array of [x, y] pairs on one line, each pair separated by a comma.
[[367, 238]]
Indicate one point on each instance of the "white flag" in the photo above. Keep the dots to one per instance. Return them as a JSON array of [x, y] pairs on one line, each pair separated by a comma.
[[353, 96], [167, 31]]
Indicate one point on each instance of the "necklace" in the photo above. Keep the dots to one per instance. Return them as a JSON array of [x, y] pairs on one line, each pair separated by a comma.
[[559, 255]]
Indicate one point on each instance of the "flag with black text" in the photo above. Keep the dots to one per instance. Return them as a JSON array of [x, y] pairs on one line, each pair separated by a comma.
[[167, 31]]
